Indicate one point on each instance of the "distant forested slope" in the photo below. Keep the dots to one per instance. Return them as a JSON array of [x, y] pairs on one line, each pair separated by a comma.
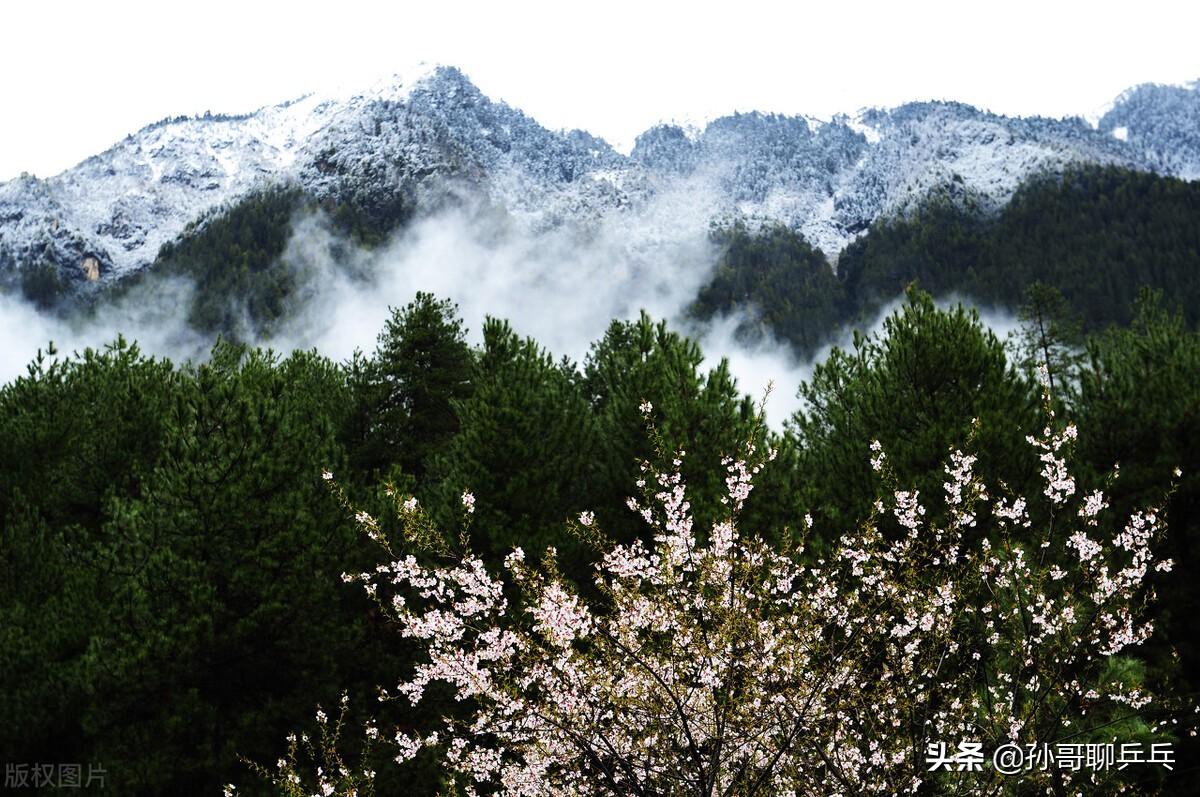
[[1098, 235]]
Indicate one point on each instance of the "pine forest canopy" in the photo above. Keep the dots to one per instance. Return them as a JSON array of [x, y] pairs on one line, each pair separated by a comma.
[[173, 569]]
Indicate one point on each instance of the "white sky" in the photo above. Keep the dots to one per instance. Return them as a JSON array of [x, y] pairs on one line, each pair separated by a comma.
[[77, 76]]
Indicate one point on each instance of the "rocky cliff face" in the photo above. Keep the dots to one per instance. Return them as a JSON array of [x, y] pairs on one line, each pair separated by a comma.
[[421, 139]]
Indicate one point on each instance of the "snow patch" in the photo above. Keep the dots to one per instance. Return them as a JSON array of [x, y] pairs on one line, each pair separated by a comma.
[[871, 134]]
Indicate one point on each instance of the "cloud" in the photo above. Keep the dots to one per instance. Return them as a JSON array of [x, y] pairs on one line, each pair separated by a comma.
[[22, 329], [152, 314], [757, 365], [561, 286]]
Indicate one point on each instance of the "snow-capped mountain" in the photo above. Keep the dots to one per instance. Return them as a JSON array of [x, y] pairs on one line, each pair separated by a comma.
[[1162, 124], [429, 136]]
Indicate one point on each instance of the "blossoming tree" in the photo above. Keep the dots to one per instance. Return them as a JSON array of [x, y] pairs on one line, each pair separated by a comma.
[[709, 663]]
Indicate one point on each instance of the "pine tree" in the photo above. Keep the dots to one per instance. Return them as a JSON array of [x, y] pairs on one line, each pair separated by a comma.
[[406, 389], [523, 445], [217, 593], [644, 361], [1139, 407], [1050, 337], [921, 384]]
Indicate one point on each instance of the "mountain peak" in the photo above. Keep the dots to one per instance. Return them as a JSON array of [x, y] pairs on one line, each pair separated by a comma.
[[423, 131]]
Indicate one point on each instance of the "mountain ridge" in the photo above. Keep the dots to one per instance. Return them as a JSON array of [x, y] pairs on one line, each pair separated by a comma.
[[419, 140]]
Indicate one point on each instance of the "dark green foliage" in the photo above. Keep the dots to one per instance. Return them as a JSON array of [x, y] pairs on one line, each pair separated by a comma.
[[230, 561], [781, 281], [42, 285], [73, 433], [936, 246], [1051, 339], [701, 414], [404, 391], [369, 221], [1114, 232], [929, 381], [1139, 406], [171, 555], [81, 428], [171, 562], [525, 441], [1095, 234], [233, 258]]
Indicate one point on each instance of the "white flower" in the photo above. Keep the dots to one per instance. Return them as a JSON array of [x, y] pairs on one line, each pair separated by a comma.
[[410, 505], [657, 634], [1087, 548], [646, 407], [560, 616], [326, 475], [878, 457], [468, 502]]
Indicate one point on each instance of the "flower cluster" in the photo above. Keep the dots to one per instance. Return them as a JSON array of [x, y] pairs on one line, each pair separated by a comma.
[[717, 664], [1060, 485]]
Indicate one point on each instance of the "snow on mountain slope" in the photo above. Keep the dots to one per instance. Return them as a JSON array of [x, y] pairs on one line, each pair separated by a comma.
[[831, 180], [446, 129], [424, 137], [120, 206], [1161, 124]]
